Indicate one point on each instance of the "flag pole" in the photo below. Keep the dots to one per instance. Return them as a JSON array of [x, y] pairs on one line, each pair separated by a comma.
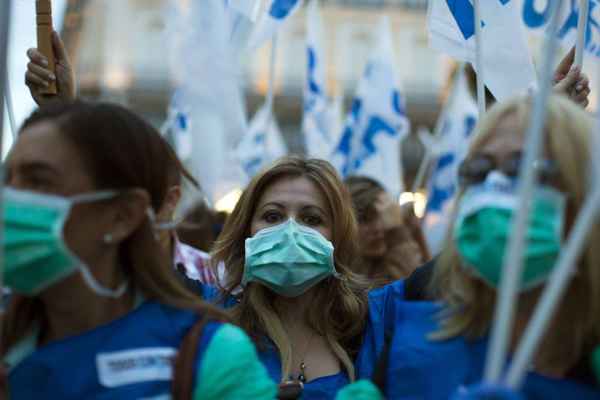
[[10, 111], [479, 59], [439, 127], [272, 72], [581, 31], [555, 289], [5, 7], [507, 293]]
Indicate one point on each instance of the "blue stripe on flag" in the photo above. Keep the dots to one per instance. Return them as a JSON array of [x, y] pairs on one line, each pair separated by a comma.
[[280, 9], [464, 14]]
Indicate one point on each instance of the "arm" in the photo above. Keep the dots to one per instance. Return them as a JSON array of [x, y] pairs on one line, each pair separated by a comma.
[[38, 76], [570, 81], [231, 369]]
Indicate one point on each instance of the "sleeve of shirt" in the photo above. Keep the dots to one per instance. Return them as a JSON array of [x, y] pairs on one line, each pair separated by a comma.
[[380, 323], [231, 369]]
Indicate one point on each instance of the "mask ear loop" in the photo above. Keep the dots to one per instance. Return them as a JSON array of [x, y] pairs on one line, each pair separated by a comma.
[[99, 289], [88, 277]]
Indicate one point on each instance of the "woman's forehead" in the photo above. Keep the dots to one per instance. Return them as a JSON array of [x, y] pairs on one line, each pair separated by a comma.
[[294, 191]]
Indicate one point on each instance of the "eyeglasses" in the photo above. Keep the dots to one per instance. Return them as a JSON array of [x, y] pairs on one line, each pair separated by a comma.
[[475, 170]]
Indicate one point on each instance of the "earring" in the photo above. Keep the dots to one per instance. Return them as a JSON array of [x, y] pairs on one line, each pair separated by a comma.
[[108, 238]]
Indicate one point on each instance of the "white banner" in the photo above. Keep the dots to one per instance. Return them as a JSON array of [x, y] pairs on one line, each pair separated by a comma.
[[262, 144], [370, 142], [322, 119]]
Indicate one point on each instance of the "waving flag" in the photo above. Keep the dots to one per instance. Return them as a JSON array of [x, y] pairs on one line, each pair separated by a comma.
[[507, 63], [249, 8], [321, 120], [177, 127], [370, 142], [262, 143], [272, 20], [461, 118], [215, 116]]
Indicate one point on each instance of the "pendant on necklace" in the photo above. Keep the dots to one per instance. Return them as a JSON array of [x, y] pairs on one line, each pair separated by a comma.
[[302, 376]]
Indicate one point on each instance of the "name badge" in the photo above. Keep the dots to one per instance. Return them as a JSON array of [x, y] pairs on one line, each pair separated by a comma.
[[134, 366]]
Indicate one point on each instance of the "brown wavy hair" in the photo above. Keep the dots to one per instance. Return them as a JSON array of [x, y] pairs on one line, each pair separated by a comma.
[[339, 307]]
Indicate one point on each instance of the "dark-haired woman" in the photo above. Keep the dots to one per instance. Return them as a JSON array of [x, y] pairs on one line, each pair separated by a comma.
[[391, 247], [189, 261], [97, 311]]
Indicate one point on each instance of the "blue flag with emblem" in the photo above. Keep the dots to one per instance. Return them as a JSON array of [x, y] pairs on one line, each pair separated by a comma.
[[321, 120], [274, 17], [460, 119], [262, 144], [507, 62], [377, 122]]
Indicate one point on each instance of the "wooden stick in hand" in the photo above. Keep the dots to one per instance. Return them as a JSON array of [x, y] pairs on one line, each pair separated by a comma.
[[43, 10]]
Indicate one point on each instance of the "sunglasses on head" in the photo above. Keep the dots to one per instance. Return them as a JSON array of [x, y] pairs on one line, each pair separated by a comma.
[[475, 170]]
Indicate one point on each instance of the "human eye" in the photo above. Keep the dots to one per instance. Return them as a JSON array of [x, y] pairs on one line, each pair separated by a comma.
[[272, 217], [312, 220]]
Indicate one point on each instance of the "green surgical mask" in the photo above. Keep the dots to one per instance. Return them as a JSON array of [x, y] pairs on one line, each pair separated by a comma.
[[288, 258], [484, 225], [35, 253]]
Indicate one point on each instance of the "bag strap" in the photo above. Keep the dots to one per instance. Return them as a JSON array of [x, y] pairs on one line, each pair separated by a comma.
[[379, 377], [182, 385]]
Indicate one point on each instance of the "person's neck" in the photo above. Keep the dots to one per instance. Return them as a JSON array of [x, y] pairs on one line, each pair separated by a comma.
[[71, 307], [292, 311], [526, 308]]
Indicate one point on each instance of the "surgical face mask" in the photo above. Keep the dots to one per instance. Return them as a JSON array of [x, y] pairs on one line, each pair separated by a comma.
[[484, 225], [35, 253], [288, 258]]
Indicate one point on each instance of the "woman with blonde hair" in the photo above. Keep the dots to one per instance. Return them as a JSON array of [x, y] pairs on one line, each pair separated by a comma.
[[438, 347], [97, 310], [289, 244]]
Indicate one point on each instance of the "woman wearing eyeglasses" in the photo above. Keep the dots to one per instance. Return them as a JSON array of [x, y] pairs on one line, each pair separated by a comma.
[[435, 348]]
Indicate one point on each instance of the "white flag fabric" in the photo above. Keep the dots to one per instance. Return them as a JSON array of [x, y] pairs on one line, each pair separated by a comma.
[[374, 128], [207, 71], [536, 18], [274, 17], [507, 63], [262, 144], [321, 120], [250, 8], [177, 126], [443, 183]]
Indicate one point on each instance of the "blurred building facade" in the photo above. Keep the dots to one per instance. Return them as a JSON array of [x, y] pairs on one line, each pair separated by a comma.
[[120, 50]]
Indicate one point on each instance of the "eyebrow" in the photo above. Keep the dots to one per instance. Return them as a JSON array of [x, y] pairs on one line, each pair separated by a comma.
[[309, 207], [38, 166]]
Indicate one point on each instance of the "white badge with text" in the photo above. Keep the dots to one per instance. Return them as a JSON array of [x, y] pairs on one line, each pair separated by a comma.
[[134, 366]]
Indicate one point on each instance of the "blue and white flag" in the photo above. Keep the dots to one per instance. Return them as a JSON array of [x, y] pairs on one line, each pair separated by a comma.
[[370, 142], [178, 126], [321, 119], [461, 118], [201, 34], [262, 144], [249, 8], [275, 16], [507, 62], [536, 17]]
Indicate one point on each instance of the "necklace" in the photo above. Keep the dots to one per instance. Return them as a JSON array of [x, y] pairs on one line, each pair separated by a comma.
[[302, 375]]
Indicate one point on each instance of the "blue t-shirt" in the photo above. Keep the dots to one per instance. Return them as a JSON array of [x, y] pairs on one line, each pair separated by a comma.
[[420, 368], [323, 388], [129, 358]]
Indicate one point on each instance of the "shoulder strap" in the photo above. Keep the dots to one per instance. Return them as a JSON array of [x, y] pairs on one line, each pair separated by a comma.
[[379, 377], [182, 385]]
